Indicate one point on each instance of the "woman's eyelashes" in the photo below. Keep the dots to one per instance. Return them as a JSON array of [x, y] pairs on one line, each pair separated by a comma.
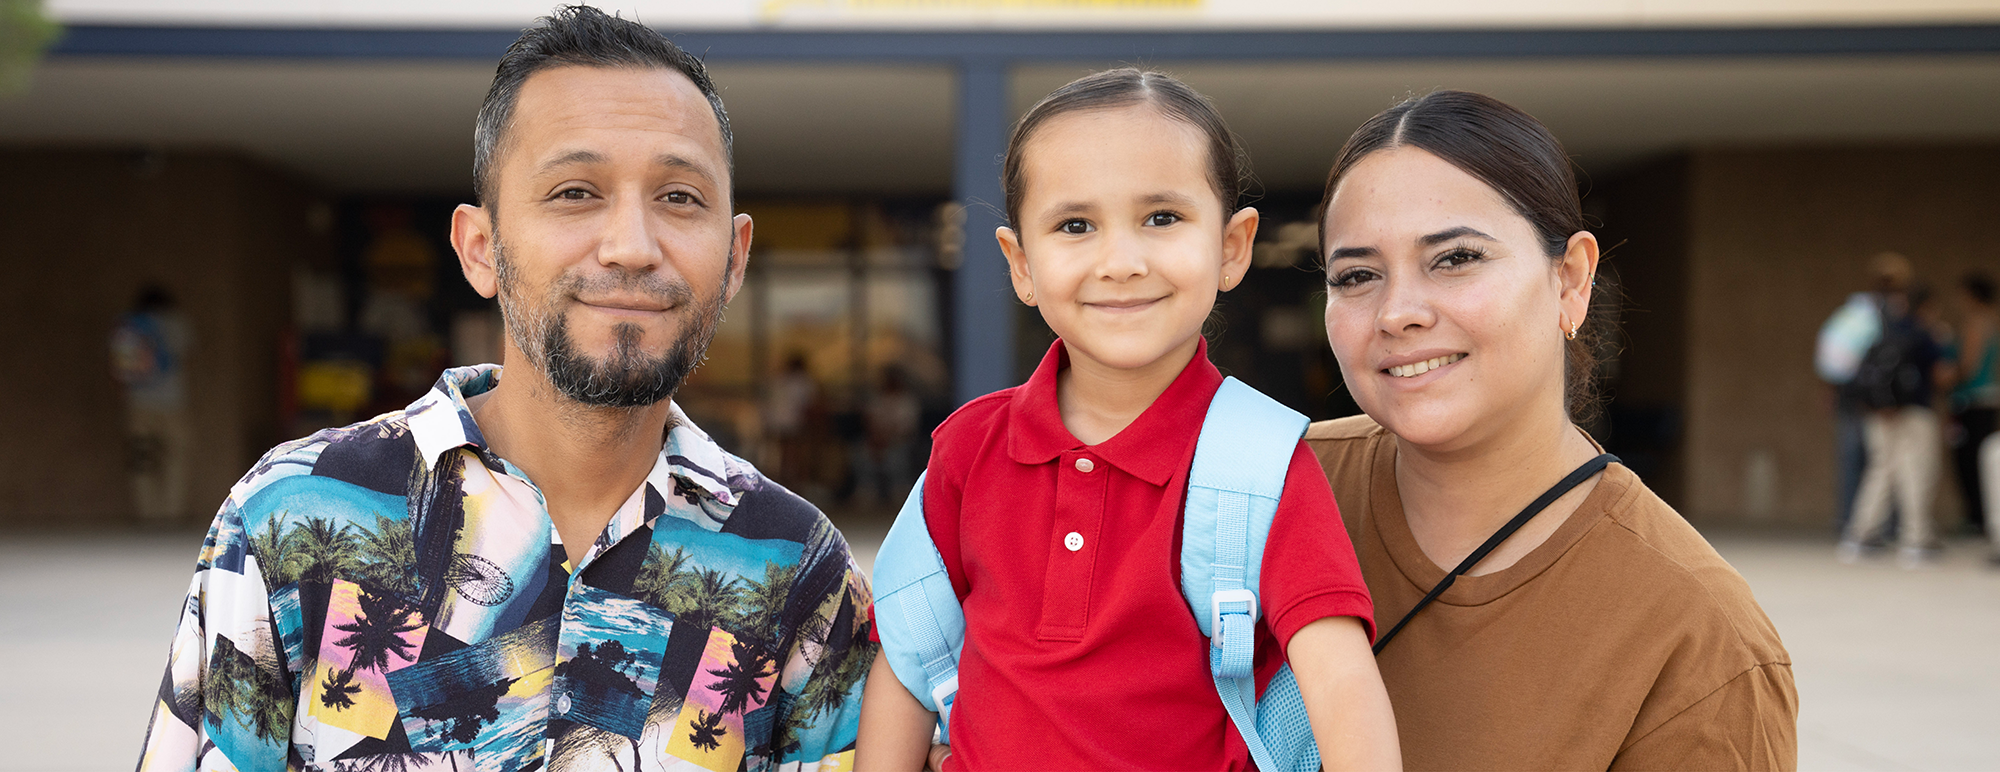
[[1458, 256], [1451, 259], [1350, 277]]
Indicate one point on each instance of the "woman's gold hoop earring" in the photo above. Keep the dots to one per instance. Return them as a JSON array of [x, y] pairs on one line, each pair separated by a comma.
[[1572, 331]]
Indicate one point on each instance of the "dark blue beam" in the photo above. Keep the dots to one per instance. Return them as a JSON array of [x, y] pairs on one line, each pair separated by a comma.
[[865, 46], [982, 296]]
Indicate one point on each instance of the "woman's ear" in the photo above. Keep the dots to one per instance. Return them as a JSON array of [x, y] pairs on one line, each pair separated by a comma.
[[1575, 277], [1239, 237], [1017, 263]]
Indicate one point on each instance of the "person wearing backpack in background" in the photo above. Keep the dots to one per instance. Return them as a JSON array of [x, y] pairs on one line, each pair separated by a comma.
[[1843, 340], [148, 357], [1056, 506], [1895, 383]]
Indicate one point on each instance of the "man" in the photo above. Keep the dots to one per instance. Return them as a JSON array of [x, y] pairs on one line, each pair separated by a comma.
[[148, 357], [547, 566]]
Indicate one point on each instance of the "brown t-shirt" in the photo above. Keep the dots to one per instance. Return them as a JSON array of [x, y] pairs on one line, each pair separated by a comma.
[[1623, 642]]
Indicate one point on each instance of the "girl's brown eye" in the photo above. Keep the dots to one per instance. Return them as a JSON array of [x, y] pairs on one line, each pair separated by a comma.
[[1162, 219], [1074, 227]]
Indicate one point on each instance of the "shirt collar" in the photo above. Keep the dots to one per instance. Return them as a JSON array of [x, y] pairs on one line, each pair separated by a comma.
[[1153, 448], [700, 481], [441, 420]]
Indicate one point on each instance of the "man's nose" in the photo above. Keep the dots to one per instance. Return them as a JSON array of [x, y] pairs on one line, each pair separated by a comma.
[[629, 239]]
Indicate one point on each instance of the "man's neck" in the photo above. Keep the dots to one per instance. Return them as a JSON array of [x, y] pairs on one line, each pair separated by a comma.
[[586, 460]]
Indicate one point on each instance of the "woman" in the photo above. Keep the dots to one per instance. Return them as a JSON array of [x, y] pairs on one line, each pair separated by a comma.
[[1976, 398], [1605, 633]]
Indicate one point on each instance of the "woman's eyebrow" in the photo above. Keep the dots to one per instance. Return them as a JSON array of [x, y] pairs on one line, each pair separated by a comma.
[[1352, 252], [1452, 233]]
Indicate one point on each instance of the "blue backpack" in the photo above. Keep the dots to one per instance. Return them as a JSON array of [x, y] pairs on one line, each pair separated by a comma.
[[1239, 469]]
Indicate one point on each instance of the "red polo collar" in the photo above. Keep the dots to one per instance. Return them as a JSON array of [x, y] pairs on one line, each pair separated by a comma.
[[1154, 448]]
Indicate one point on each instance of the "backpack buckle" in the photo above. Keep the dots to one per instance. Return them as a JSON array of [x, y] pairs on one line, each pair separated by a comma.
[[1215, 612], [945, 693]]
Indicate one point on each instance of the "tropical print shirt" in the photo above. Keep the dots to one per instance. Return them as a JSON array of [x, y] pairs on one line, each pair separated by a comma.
[[393, 596]]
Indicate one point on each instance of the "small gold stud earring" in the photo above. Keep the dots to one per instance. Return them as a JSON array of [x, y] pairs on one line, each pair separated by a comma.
[[1030, 299], [1572, 331]]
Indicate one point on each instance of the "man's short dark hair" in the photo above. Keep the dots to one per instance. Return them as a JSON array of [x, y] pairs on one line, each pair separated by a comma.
[[576, 35]]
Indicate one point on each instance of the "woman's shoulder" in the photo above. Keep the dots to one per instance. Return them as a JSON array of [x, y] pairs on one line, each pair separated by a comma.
[[1686, 579], [1343, 447], [1354, 427]]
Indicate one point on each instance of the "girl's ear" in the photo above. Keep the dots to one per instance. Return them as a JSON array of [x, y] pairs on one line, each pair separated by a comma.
[[1575, 276], [1017, 263], [1238, 238]]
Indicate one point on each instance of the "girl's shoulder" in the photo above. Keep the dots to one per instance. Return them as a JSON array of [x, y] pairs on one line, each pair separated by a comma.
[[970, 430]]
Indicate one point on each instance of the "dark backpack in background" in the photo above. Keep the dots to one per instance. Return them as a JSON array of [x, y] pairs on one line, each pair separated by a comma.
[[1892, 373]]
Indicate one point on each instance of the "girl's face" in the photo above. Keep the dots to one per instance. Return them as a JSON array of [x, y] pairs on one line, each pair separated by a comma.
[[1446, 316], [1123, 242]]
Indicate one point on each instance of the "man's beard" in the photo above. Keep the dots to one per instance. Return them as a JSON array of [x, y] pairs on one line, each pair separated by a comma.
[[626, 378]]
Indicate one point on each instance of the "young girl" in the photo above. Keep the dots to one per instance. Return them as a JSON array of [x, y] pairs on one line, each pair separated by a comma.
[[1056, 504]]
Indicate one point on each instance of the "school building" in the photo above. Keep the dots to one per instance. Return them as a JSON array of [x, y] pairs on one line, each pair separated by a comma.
[[286, 171]]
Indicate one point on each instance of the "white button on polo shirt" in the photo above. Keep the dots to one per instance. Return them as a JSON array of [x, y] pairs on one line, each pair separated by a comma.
[[1083, 465], [1074, 541]]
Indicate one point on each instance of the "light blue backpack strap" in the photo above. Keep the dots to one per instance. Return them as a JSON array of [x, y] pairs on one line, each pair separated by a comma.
[[916, 611], [1240, 462]]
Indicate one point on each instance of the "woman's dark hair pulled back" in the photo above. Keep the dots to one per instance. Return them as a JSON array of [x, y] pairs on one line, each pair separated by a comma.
[[1228, 164], [1516, 156]]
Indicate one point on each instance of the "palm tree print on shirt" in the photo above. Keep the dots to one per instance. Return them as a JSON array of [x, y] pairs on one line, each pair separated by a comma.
[[339, 689], [708, 730], [378, 632], [739, 681]]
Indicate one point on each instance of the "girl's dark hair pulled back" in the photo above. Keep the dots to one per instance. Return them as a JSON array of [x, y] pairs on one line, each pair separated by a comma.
[[1516, 156], [1228, 164]]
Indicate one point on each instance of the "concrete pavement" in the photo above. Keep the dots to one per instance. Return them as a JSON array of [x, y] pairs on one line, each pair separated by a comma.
[[1896, 670]]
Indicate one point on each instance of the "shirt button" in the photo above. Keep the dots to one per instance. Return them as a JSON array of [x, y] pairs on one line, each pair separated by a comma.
[[1074, 541], [1083, 465]]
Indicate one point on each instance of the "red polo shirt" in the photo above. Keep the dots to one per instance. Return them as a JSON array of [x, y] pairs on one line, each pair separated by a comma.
[[1080, 652]]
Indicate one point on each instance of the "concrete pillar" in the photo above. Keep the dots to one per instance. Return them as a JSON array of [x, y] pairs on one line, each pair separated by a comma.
[[982, 298]]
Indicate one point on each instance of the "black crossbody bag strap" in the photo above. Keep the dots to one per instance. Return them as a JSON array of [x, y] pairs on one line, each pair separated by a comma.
[[1540, 503]]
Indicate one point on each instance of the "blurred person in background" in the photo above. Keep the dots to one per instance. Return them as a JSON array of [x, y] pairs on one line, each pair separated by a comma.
[[1844, 340], [1975, 399], [149, 351], [1896, 384], [891, 417], [790, 403]]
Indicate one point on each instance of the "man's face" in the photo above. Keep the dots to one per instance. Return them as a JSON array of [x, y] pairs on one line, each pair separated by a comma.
[[618, 249]]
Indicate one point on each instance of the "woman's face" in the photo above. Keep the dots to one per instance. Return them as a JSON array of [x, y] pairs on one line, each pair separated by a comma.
[[1447, 317]]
